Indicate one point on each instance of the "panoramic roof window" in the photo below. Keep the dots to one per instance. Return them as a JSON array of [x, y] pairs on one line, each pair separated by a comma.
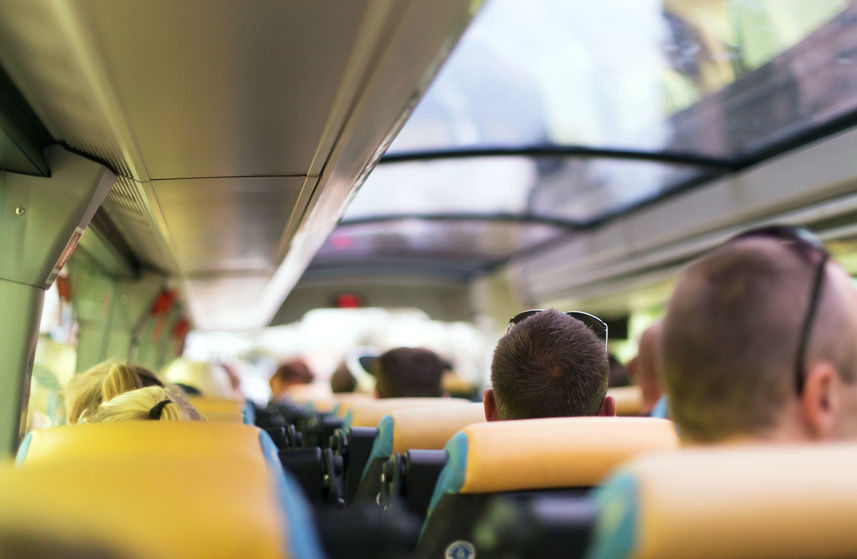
[[459, 247], [569, 190], [714, 77], [551, 116]]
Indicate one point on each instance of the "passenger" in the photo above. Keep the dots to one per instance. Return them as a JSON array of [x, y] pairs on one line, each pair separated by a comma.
[[342, 380], [409, 372], [759, 343], [234, 379], [153, 403], [101, 383], [548, 365], [288, 375], [200, 378], [644, 367]]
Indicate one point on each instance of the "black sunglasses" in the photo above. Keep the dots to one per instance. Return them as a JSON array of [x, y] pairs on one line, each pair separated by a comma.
[[808, 246], [590, 320]]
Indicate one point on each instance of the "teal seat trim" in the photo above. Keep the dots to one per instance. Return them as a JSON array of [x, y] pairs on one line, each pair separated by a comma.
[[346, 421], [615, 534], [660, 410], [451, 478], [382, 447], [22, 450], [249, 413], [301, 538]]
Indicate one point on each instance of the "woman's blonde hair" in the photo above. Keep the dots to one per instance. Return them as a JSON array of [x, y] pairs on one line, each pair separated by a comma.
[[102, 383], [150, 403]]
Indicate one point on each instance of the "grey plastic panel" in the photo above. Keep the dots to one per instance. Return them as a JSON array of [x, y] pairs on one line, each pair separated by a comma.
[[227, 225]]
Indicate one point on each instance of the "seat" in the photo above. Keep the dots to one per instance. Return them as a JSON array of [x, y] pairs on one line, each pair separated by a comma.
[[174, 489], [561, 455], [412, 428], [219, 409], [758, 501], [629, 400], [368, 413]]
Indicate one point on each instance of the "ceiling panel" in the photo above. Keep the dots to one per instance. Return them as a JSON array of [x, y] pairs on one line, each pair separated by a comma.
[[235, 296], [208, 88], [227, 225]]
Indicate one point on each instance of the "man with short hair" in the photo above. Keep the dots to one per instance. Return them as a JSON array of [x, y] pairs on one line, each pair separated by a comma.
[[409, 372], [760, 343], [548, 365]]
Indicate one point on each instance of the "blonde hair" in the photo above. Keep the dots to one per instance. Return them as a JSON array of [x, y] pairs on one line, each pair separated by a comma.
[[150, 403], [102, 383]]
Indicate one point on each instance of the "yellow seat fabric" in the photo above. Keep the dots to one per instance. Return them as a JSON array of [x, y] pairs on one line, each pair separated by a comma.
[[629, 400], [178, 489], [783, 502], [367, 413], [431, 428]]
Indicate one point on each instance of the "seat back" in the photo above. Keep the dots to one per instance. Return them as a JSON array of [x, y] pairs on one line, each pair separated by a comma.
[[629, 400], [492, 458], [427, 428], [219, 409], [367, 413], [182, 489], [760, 501]]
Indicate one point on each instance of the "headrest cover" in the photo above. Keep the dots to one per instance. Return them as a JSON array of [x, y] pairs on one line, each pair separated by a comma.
[[430, 428], [793, 501], [216, 405], [629, 399], [97, 441], [557, 452], [205, 490], [220, 409], [367, 413]]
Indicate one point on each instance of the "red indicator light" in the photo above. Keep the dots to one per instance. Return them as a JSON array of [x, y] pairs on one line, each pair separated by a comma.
[[340, 241], [349, 301]]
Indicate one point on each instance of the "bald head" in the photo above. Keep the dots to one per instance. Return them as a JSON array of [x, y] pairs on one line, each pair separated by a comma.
[[731, 336], [646, 363]]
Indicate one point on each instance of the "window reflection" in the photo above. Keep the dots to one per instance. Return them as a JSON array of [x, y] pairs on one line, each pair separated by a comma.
[[650, 75]]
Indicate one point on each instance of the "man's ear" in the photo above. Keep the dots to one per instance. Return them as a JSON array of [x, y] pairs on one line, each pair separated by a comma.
[[820, 402], [608, 407], [490, 406]]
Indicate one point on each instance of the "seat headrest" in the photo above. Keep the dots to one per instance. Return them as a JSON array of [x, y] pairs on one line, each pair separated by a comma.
[[175, 489], [546, 453], [424, 428], [629, 399], [367, 413], [760, 501], [218, 405], [96, 441], [431, 428], [34, 524], [219, 409]]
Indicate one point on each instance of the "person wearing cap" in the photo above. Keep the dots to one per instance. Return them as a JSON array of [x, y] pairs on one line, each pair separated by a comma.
[[550, 364]]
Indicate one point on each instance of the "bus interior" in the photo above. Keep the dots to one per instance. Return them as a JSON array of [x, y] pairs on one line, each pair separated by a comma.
[[247, 183]]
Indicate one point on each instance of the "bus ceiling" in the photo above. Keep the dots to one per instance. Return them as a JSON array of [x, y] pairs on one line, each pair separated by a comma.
[[582, 149], [237, 131], [572, 159]]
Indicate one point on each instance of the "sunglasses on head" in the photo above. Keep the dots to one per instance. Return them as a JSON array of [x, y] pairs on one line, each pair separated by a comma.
[[590, 320], [808, 246]]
